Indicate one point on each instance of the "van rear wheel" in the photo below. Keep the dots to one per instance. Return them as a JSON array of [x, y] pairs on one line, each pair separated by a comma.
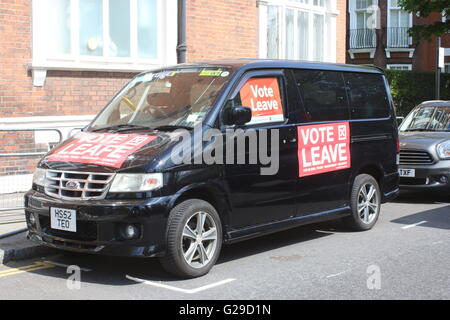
[[365, 203], [194, 239]]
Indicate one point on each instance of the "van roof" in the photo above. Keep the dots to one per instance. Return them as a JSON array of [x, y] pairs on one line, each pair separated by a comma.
[[249, 64]]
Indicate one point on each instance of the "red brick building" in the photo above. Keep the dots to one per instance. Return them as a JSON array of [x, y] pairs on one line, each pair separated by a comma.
[[62, 60], [378, 34]]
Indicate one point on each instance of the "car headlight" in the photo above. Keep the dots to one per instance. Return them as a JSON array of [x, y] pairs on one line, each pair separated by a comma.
[[443, 150], [133, 182], [39, 177]]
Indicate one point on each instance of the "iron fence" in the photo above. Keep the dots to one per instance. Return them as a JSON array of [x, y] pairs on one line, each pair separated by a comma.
[[11, 194]]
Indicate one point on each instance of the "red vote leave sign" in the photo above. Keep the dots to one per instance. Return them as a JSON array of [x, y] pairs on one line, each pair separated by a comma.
[[105, 149], [323, 148]]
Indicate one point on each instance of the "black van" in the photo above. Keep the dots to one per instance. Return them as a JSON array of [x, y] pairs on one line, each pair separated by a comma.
[[189, 157]]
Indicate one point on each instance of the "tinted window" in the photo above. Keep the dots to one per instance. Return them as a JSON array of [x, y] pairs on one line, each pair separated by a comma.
[[323, 94], [367, 94]]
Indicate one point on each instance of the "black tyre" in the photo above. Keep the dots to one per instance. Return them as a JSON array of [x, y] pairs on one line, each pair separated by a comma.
[[194, 239], [365, 203]]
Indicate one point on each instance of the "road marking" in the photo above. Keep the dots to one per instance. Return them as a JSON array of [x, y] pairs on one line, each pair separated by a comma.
[[66, 265], [335, 275], [414, 225], [33, 267], [188, 291]]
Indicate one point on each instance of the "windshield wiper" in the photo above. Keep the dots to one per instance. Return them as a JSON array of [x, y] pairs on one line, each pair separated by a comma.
[[172, 127], [123, 127]]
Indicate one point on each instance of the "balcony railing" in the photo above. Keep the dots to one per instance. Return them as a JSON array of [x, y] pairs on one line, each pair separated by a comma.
[[362, 38], [398, 38]]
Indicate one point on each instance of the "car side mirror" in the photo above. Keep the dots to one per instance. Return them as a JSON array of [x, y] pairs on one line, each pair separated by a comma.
[[238, 115]]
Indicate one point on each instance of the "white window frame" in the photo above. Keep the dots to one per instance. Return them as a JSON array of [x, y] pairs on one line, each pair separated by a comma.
[[328, 11], [399, 65], [166, 47], [353, 25], [447, 66], [389, 23]]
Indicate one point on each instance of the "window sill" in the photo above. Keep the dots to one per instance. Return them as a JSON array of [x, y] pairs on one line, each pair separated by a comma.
[[39, 70], [409, 50], [371, 51]]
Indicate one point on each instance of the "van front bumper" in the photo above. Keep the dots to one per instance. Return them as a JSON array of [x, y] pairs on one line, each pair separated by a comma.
[[427, 177], [100, 225]]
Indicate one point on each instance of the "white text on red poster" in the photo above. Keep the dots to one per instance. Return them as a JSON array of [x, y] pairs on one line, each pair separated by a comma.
[[323, 148]]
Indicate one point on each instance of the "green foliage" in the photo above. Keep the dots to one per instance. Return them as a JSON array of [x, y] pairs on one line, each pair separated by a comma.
[[423, 8], [409, 88]]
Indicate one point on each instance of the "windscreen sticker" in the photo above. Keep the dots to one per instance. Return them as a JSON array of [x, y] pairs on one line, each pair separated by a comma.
[[211, 73], [262, 95], [323, 148], [105, 149]]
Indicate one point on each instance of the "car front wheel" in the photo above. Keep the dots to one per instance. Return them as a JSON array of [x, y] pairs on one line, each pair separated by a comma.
[[194, 239]]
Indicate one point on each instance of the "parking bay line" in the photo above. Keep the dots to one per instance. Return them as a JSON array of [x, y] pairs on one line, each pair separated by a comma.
[[414, 225], [62, 265], [33, 267], [188, 291]]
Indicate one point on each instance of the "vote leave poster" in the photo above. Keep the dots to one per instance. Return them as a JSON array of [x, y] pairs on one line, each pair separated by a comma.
[[105, 149], [262, 95], [323, 148]]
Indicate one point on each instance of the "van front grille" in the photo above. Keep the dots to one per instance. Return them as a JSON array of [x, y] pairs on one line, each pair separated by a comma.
[[415, 157], [73, 185]]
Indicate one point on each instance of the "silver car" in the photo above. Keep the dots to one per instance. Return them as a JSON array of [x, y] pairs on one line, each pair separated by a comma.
[[425, 147]]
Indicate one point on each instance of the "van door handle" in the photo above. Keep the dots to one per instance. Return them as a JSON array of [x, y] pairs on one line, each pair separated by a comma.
[[293, 140]]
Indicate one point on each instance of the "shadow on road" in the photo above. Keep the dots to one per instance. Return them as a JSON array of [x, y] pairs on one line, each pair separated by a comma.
[[435, 218], [112, 270], [423, 197]]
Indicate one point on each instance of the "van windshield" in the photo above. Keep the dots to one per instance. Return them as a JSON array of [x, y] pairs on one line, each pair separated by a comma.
[[427, 119], [165, 99]]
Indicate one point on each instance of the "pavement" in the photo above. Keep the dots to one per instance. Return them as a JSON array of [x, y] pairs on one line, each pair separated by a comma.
[[14, 245], [405, 256]]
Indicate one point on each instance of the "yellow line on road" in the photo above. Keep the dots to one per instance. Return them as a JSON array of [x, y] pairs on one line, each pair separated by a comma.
[[32, 267]]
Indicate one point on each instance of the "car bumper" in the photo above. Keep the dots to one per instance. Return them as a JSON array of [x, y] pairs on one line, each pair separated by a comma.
[[435, 176], [100, 224]]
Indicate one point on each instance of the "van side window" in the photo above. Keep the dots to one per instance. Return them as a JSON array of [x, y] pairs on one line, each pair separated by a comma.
[[323, 94], [264, 96], [367, 95]]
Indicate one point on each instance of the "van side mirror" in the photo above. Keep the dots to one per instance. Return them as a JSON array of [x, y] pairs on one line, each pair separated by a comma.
[[238, 115]]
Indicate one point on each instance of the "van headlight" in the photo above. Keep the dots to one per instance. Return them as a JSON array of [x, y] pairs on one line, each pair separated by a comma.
[[135, 182], [39, 177], [443, 150]]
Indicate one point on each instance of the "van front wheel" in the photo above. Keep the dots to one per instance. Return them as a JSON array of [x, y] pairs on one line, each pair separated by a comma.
[[194, 239], [365, 203]]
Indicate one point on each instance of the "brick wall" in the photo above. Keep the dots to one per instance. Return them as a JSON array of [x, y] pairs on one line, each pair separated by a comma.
[[341, 31], [64, 93], [219, 29]]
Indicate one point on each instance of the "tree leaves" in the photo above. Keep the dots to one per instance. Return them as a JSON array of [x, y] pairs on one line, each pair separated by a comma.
[[423, 9]]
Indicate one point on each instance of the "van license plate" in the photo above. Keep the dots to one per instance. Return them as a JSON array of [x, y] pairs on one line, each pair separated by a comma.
[[63, 219], [411, 173]]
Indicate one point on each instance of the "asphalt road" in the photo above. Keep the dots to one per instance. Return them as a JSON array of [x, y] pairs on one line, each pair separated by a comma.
[[406, 256]]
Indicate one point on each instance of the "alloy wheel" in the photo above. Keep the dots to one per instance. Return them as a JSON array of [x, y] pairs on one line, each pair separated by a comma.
[[199, 239], [368, 203]]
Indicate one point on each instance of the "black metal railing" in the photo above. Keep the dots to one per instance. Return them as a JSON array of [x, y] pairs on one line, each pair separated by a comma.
[[362, 38], [398, 38]]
